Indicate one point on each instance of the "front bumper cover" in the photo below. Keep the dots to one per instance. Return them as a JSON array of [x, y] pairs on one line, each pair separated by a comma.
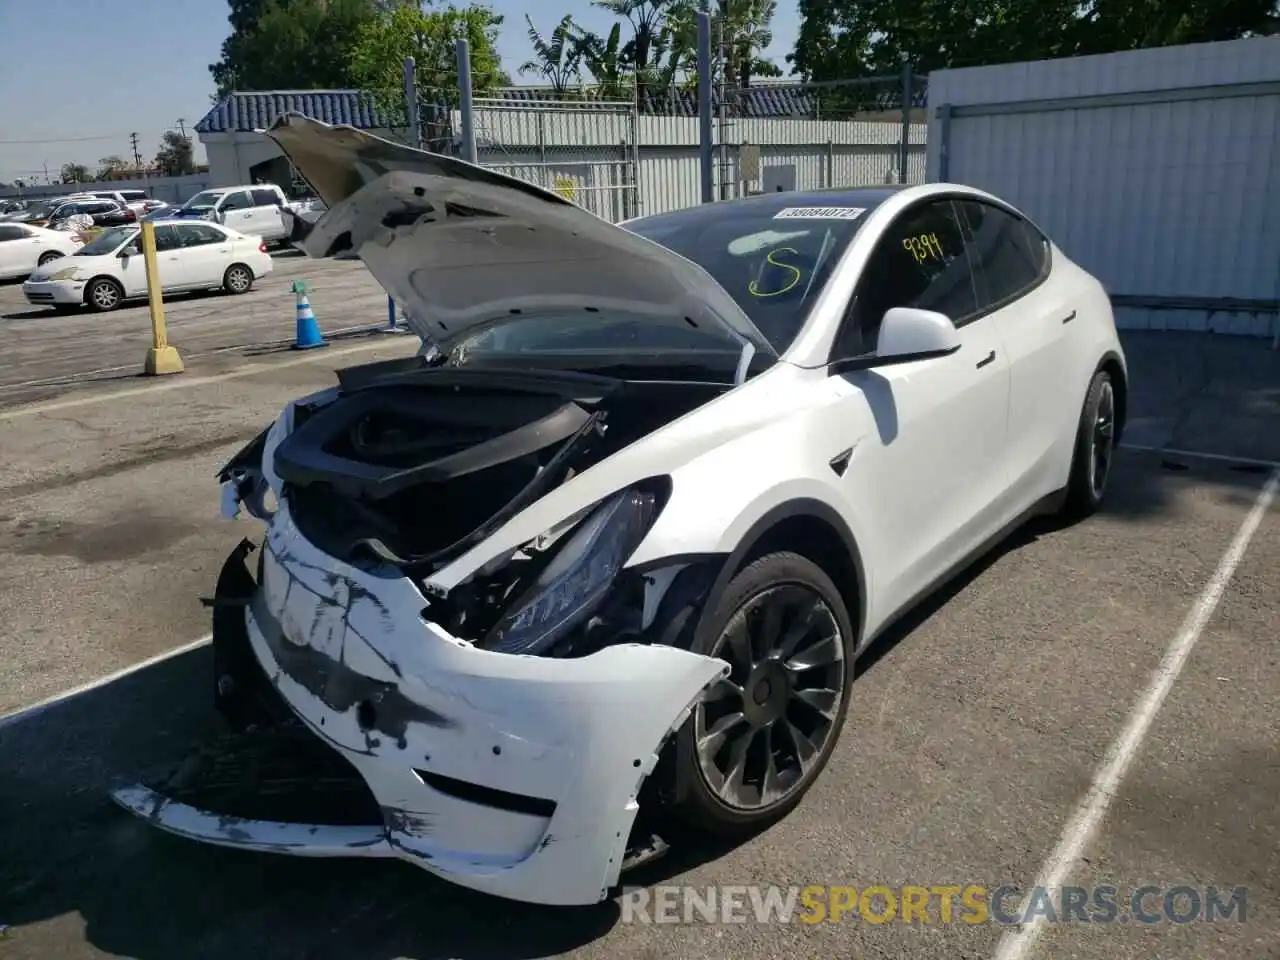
[[512, 775]]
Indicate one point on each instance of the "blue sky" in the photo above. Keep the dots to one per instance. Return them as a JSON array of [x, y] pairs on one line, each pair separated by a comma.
[[77, 78]]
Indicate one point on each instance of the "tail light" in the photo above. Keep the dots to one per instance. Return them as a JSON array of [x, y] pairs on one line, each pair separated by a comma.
[[130, 215], [262, 247]]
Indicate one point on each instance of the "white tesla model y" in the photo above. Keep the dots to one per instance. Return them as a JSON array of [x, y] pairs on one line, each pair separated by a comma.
[[614, 538]]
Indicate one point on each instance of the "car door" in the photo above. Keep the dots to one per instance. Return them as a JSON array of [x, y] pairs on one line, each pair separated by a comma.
[[19, 251], [268, 218], [928, 482], [205, 250], [236, 211], [1033, 314]]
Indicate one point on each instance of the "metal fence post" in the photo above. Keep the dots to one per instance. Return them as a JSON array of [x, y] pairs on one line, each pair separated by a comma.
[[706, 149], [904, 146], [944, 142], [411, 103], [465, 106]]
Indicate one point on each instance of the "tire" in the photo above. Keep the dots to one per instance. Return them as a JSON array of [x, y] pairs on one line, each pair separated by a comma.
[[238, 279], [765, 698], [1094, 450], [103, 295], [48, 257]]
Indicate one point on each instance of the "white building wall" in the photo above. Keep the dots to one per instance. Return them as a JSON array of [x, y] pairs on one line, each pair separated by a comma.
[[1157, 170]]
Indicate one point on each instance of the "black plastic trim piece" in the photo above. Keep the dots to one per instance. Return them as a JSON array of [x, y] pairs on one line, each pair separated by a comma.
[[302, 460], [487, 796], [873, 362]]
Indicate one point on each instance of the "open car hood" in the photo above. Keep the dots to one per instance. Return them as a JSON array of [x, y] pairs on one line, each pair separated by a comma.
[[460, 247]]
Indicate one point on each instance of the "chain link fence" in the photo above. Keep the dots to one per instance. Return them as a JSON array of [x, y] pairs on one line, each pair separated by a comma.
[[587, 151]]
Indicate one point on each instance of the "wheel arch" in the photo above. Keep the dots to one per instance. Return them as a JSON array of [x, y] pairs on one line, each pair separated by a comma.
[[101, 276], [815, 530], [1114, 366]]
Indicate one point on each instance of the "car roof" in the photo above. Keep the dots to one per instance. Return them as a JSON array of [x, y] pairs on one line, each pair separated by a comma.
[[769, 204]]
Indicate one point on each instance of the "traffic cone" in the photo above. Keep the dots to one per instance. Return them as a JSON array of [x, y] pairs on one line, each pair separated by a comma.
[[308, 334]]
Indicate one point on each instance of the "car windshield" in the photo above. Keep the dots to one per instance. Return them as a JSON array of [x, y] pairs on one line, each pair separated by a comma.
[[772, 254], [611, 340], [106, 243], [202, 201]]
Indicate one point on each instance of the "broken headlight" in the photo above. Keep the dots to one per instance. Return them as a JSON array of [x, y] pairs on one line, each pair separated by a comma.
[[578, 576]]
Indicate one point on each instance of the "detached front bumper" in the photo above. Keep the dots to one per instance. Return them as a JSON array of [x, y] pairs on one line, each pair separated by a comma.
[[513, 775]]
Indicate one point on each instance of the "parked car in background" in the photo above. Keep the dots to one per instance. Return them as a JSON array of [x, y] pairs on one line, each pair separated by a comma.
[[23, 248], [133, 199], [102, 213], [35, 212], [10, 207], [256, 210], [109, 270]]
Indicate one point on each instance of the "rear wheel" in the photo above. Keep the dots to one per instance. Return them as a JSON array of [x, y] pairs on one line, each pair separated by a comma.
[[238, 279], [1094, 450], [103, 294], [48, 257], [758, 740]]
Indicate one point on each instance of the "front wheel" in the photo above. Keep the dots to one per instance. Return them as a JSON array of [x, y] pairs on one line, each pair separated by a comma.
[[757, 741], [238, 279], [103, 295], [1094, 449]]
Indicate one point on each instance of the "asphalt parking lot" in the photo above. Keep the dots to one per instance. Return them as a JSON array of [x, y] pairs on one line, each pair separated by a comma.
[[47, 353], [980, 732]]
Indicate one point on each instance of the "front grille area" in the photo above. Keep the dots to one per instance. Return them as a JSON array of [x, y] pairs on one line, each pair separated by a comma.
[[282, 773]]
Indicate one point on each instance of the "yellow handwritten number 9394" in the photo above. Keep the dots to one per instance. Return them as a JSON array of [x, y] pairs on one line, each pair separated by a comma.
[[924, 247], [753, 287]]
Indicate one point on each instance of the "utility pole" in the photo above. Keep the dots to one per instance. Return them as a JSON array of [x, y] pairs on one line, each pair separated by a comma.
[[133, 142]]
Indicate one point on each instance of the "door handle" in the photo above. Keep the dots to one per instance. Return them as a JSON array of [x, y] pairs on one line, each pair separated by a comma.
[[1069, 317], [989, 358]]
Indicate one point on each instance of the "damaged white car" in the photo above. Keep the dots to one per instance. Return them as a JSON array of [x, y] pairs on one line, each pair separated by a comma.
[[613, 540]]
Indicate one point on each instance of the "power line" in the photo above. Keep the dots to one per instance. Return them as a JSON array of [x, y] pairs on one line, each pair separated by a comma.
[[105, 136]]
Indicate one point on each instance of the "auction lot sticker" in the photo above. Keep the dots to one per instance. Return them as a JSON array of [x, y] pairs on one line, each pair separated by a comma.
[[820, 213]]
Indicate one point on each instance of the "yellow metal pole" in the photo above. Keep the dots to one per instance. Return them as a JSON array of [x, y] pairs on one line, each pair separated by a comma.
[[161, 358]]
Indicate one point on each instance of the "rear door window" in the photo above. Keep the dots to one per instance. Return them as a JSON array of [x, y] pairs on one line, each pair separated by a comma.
[[1010, 257], [265, 198]]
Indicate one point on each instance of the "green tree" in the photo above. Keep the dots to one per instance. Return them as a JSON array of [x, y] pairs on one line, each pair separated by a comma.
[[430, 37], [112, 168], [642, 52], [290, 44], [845, 39], [603, 59], [556, 58], [75, 173], [175, 157]]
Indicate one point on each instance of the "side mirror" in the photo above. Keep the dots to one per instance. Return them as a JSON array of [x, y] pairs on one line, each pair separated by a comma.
[[908, 334], [132, 250]]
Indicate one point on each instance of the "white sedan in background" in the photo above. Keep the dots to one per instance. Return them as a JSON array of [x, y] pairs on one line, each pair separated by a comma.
[[110, 269], [24, 248]]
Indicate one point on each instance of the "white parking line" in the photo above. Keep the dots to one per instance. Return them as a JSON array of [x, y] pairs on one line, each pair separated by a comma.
[[1075, 839], [33, 711]]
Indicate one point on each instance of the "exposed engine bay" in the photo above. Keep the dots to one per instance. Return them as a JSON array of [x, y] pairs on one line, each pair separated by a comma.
[[410, 465]]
